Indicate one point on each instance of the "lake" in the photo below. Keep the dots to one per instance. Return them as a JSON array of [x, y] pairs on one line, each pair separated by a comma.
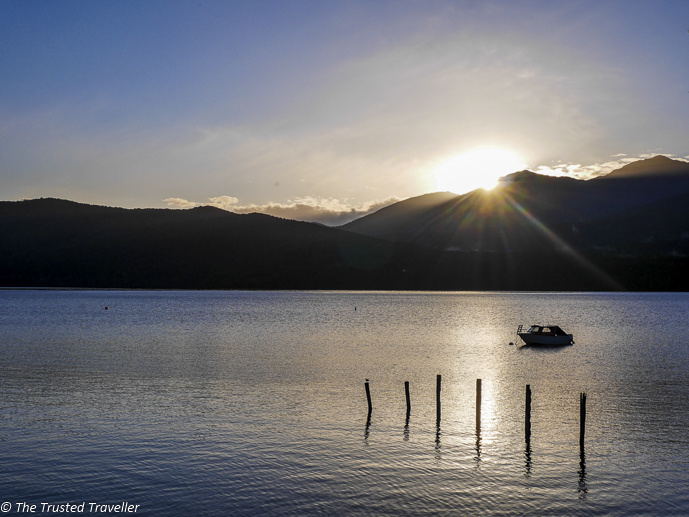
[[253, 403]]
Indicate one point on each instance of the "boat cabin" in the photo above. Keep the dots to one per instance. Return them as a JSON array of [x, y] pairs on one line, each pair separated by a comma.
[[547, 330]]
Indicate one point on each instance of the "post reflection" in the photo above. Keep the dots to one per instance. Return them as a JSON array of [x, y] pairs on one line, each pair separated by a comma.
[[405, 434], [367, 428], [477, 459], [527, 432], [438, 433], [583, 486], [527, 457]]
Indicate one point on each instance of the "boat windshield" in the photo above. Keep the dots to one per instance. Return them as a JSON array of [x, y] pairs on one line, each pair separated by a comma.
[[552, 330]]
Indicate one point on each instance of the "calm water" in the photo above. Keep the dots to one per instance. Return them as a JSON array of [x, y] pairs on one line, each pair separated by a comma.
[[253, 403]]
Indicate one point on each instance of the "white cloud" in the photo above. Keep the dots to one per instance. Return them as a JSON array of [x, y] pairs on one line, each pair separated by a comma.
[[178, 202], [225, 202]]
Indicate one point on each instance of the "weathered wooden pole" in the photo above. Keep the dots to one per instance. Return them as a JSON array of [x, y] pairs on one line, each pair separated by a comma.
[[478, 403], [368, 397], [406, 394], [582, 418], [437, 397], [527, 414]]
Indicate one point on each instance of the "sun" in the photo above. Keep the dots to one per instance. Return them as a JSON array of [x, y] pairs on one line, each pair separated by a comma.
[[476, 169]]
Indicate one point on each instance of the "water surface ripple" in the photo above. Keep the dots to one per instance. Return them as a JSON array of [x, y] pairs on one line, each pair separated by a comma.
[[253, 403]]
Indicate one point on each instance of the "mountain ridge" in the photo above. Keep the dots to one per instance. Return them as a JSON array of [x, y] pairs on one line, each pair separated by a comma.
[[529, 234], [656, 166], [208, 248]]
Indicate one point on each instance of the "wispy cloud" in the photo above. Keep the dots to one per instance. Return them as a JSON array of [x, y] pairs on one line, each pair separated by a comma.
[[383, 121], [332, 212]]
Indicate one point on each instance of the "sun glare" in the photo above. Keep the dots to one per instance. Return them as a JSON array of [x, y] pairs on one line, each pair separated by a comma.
[[476, 169]]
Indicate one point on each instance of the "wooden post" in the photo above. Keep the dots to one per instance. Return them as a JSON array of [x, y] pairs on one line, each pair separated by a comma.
[[368, 397], [437, 397], [406, 393], [478, 403], [527, 414], [582, 418]]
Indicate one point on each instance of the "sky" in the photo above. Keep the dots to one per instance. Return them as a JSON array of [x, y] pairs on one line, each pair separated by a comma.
[[325, 111]]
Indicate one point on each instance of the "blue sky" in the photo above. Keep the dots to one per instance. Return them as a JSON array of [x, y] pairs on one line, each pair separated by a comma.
[[326, 110]]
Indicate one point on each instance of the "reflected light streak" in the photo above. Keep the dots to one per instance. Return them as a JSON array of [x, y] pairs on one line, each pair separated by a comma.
[[560, 244]]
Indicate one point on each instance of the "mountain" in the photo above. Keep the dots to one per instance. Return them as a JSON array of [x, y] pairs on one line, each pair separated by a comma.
[[640, 183], [51, 242], [651, 167], [58, 243], [528, 211], [498, 220], [393, 221]]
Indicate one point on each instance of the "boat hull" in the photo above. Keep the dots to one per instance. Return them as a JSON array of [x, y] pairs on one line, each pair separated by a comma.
[[539, 339]]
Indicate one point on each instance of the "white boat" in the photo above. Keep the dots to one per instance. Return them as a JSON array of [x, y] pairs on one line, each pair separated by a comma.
[[545, 335]]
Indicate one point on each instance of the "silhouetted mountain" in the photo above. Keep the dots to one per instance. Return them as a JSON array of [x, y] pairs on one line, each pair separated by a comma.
[[51, 242], [651, 167], [393, 222], [640, 183], [528, 211], [56, 243], [499, 220]]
